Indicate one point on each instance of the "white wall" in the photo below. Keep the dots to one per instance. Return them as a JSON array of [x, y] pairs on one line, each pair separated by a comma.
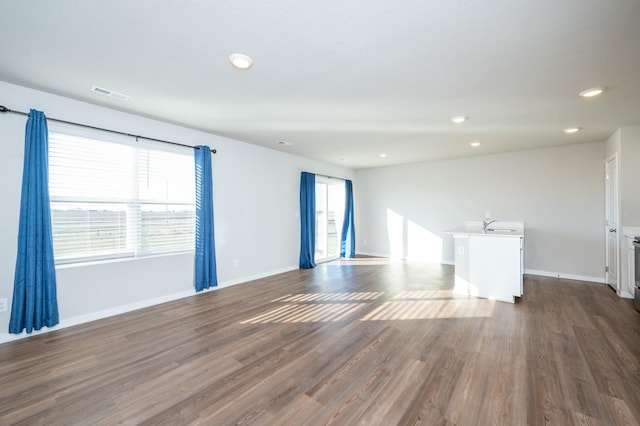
[[630, 176], [256, 201], [557, 192], [613, 143]]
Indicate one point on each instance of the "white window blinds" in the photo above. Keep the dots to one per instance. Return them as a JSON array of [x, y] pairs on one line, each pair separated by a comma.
[[119, 199]]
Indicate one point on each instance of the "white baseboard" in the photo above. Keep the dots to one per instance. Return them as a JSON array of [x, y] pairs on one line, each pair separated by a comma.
[[626, 295], [93, 316], [599, 280]]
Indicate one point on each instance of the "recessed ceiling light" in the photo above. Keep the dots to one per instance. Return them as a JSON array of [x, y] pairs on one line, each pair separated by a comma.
[[590, 93], [383, 155], [459, 119], [570, 130], [475, 144], [284, 143], [240, 61]]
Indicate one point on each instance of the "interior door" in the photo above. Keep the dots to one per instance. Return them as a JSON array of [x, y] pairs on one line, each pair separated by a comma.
[[611, 222]]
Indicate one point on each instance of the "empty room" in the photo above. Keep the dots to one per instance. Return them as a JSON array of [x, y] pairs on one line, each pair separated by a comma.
[[310, 213]]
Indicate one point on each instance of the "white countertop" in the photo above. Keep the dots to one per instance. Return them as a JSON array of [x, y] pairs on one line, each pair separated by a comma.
[[496, 229], [631, 231]]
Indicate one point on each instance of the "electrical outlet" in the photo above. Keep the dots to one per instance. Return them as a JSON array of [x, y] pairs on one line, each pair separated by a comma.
[[3, 304], [487, 214], [236, 262]]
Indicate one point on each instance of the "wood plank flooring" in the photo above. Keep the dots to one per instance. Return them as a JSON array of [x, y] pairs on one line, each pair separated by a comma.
[[363, 341]]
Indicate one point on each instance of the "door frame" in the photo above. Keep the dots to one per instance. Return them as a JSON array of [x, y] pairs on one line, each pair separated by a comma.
[[614, 158], [329, 182]]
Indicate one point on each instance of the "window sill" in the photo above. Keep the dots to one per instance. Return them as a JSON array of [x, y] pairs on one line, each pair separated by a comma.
[[80, 264]]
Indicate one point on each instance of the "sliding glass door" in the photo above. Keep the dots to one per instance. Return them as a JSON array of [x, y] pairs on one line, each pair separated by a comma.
[[329, 217]]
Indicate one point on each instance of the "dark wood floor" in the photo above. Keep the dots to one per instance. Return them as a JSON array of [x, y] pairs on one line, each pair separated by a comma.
[[365, 341]]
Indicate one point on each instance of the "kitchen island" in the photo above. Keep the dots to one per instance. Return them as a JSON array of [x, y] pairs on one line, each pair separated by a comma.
[[489, 262]]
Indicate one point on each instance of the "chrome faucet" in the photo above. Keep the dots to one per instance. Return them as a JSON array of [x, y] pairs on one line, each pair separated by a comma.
[[486, 223]]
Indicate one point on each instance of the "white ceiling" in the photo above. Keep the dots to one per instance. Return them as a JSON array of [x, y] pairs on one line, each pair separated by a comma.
[[343, 81]]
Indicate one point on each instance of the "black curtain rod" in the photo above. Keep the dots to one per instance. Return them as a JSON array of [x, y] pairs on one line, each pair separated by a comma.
[[330, 177], [5, 109]]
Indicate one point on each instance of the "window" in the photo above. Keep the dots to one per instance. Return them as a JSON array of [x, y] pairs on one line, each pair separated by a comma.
[[329, 217], [113, 198]]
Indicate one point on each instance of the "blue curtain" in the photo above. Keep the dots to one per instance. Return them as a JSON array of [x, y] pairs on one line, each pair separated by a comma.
[[307, 220], [348, 236], [205, 274], [35, 302]]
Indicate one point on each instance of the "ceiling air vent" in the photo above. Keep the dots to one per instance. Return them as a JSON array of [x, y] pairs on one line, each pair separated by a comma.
[[110, 93]]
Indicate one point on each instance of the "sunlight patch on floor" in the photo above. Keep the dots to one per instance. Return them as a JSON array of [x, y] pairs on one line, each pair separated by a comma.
[[405, 305], [317, 297], [424, 294], [311, 312], [428, 309]]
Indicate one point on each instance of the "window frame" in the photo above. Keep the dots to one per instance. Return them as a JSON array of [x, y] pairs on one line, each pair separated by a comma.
[[133, 207]]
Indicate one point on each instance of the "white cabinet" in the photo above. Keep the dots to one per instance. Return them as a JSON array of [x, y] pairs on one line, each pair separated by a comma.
[[631, 263], [495, 267], [628, 260], [489, 265], [629, 280]]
